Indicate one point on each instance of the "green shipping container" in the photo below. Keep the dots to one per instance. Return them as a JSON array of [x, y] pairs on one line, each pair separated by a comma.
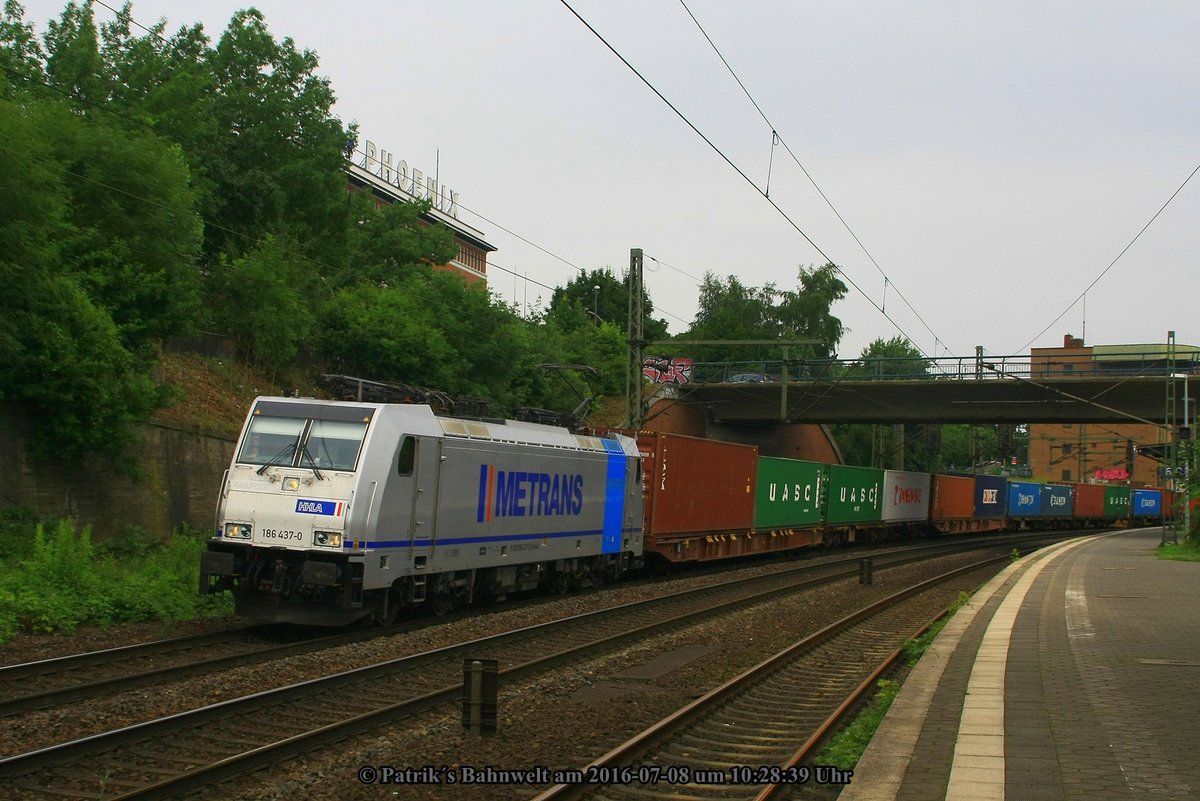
[[855, 494], [1116, 501], [788, 494]]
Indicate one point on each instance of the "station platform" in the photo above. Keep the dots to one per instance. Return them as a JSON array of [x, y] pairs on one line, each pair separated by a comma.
[[1073, 674]]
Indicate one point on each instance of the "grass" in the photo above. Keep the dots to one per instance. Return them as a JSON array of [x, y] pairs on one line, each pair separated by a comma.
[[847, 746], [53, 578], [1186, 551]]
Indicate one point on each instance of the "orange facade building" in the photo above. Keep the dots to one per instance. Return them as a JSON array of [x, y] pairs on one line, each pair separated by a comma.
[[1129, 454]]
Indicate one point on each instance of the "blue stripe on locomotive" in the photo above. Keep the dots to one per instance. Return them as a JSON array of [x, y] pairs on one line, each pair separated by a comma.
[[991, 496], [614, 497], [425, 543], [1024, 499]]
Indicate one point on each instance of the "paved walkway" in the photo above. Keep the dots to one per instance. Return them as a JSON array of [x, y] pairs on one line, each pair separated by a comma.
[[1074, 674]]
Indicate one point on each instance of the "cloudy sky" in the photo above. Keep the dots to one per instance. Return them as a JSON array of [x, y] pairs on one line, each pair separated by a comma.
[[989, 160]]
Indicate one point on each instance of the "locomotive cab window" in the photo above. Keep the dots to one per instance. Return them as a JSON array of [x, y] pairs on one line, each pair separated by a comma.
[[328, 444], [407, 457], [335, 444], [270, 440]]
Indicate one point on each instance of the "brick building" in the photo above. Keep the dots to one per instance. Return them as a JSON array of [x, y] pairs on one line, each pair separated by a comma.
[[1111, 453]]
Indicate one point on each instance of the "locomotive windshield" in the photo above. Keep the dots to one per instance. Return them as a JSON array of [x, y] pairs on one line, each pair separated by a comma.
[[301, 442]]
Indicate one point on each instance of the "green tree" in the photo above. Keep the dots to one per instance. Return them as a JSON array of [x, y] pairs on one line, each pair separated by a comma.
[[265, 301], [385, 334], [731, 310], [806, 312], [137, 234], [970, 447], [893, 358], [603, 298], [73, 63], [276, 156], [881, 445], [88, 282], [385, 242], [20, 52]]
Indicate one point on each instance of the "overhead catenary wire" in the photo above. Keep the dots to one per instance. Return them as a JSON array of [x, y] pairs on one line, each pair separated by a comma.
[[776, 138], [1112, 263], [684, 118]]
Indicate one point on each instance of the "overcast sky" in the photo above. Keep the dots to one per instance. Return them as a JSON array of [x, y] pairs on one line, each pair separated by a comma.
[[993, 158]]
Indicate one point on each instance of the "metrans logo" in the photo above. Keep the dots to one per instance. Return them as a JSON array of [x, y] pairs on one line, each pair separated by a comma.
[[519, 493]]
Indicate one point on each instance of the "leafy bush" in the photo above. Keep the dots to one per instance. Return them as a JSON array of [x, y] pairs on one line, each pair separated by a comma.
[[64, 580]]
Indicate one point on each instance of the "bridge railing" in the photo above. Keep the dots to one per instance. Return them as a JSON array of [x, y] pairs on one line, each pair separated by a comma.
[[956, 368]]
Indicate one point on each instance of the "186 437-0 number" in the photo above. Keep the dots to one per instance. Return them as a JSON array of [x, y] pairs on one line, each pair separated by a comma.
[[282, 534]]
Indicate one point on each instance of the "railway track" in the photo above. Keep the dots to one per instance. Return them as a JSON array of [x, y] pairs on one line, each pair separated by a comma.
[[46, 682], [79, 677], [167, 756], [750, 738]]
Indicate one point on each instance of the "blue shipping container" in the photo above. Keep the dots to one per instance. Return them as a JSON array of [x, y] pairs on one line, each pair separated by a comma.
[[1024, 499], [1057, 500], [1146, 503], [991, 493]]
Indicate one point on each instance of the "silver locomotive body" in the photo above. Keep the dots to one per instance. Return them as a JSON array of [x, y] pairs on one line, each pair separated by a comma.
[[335, 511]]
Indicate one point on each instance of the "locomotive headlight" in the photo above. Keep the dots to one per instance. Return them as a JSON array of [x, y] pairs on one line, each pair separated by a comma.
[[329, 539], [290, 484], [238, 531]]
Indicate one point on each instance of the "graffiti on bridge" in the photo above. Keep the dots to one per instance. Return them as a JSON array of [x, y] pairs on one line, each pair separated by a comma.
[[667, 371]]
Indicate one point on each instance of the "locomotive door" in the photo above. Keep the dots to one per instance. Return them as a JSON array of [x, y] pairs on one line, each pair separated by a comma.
[[408, 513]]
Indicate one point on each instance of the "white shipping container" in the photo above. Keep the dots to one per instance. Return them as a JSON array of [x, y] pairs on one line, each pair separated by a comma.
[[905, 496]]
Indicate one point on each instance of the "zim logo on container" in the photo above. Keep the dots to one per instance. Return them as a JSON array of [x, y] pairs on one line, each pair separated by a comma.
[[520, 493], [304, 506]]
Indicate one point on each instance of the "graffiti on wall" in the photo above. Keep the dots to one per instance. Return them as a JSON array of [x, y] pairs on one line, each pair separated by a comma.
[[667, 371]]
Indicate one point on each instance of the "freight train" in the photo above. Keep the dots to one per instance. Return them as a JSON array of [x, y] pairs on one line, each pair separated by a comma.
[[336, 511]]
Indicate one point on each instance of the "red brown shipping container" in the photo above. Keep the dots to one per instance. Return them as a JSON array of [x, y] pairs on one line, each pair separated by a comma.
[[696, 486], [1089, 500], [952, 498]]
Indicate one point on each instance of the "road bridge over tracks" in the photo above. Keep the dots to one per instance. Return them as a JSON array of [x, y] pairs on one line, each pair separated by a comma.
[[1134, 388]]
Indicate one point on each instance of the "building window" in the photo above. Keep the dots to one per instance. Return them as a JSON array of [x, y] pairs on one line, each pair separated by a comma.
[[1066, 475], [1067, 448], [471, 257]]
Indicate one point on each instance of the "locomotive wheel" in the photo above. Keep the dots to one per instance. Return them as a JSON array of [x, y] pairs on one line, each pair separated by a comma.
[[442, 603], [562, 583]]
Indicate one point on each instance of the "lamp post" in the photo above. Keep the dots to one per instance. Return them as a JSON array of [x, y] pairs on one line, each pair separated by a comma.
[[1186, 444], [596, 303]]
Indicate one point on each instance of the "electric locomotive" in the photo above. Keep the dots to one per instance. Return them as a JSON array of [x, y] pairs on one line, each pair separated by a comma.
[[333, 511]]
